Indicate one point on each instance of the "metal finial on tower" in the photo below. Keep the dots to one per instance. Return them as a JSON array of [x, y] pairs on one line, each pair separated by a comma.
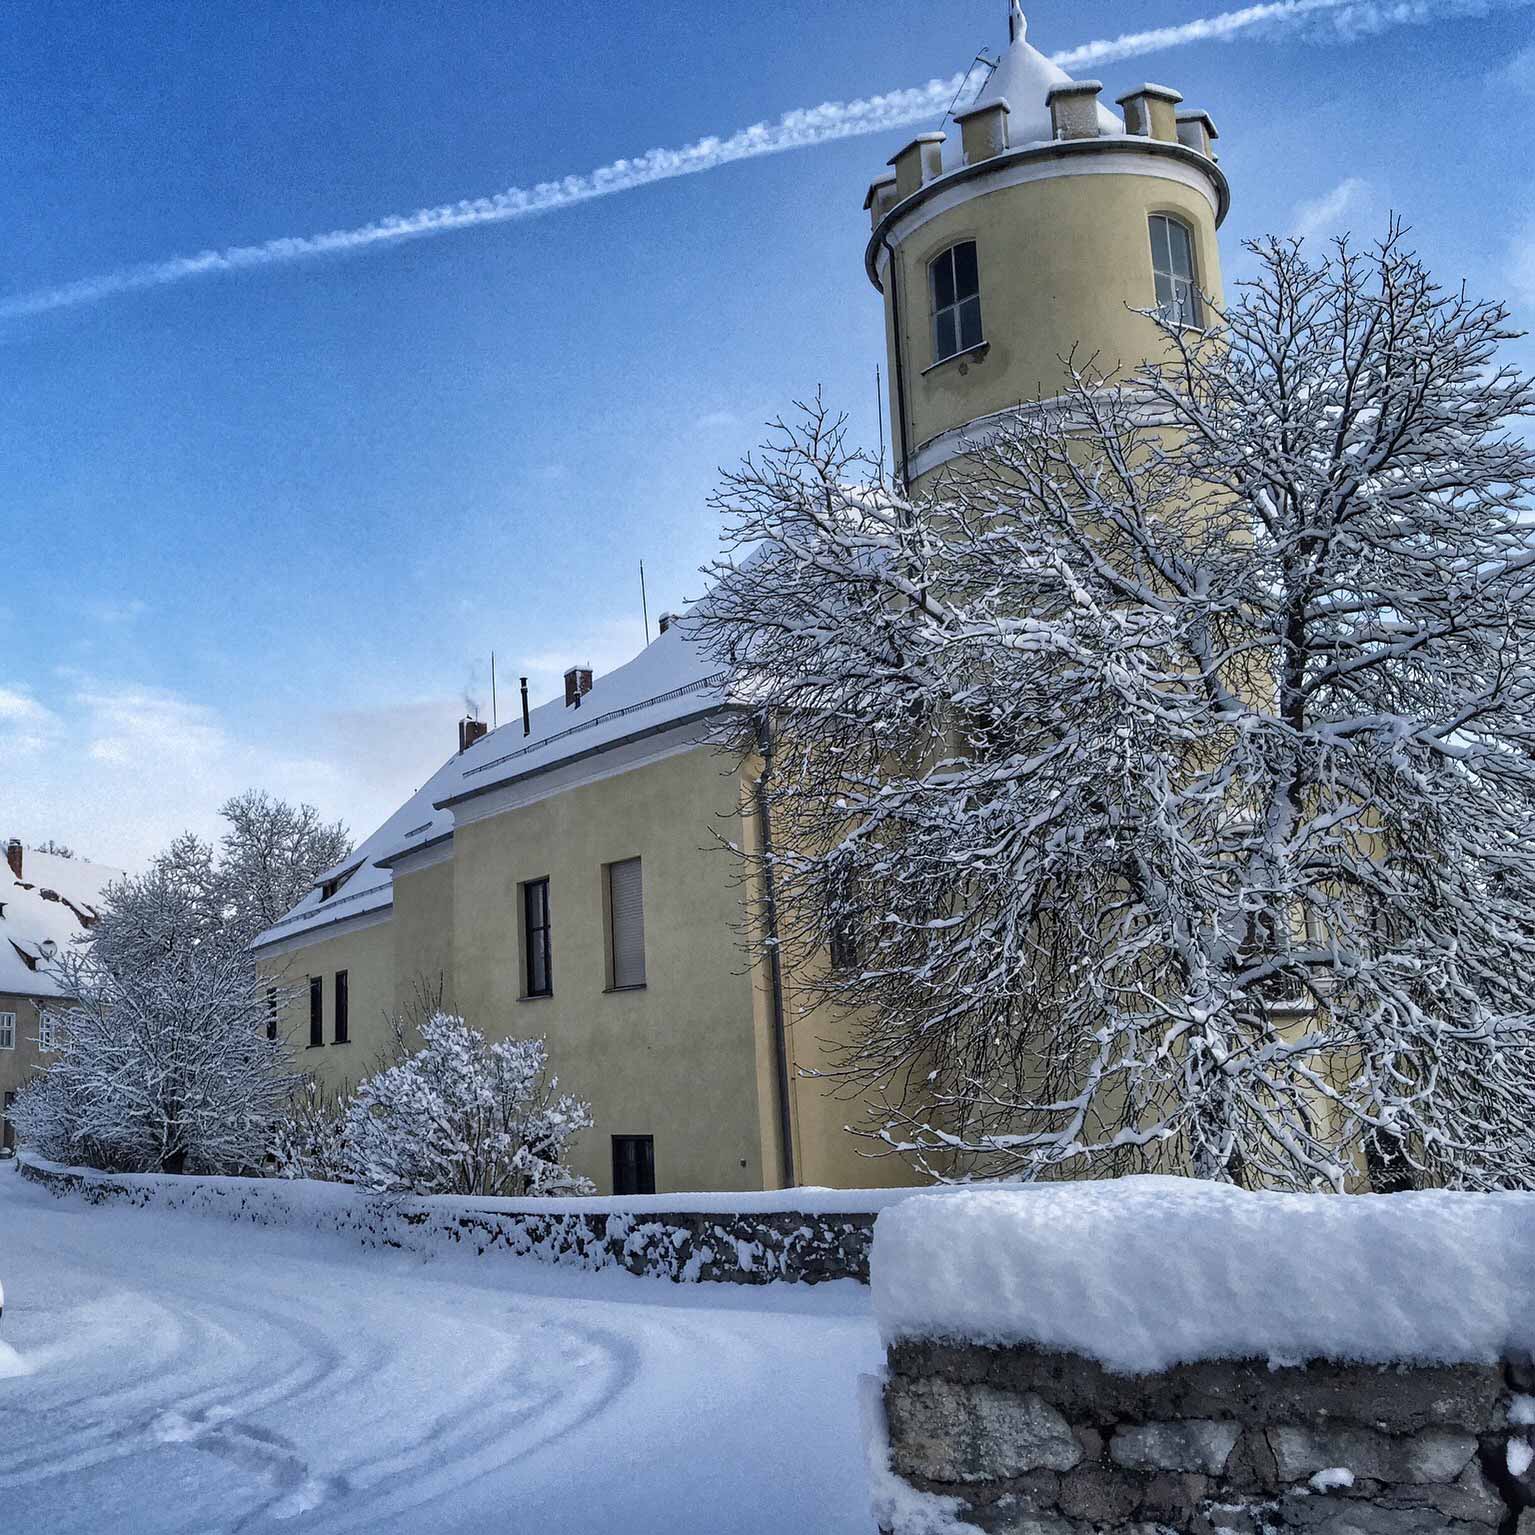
[[1017, 27]]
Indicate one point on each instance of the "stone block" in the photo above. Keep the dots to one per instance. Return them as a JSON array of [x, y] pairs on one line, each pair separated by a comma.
[[1098, 1495], [1196, 1444], [1431, 1455], [952, 1433]]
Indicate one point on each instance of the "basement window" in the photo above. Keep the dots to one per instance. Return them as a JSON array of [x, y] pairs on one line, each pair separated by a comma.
[[955, 280], [634, 1164]]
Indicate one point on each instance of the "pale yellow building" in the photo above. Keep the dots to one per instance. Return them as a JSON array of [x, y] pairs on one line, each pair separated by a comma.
[[567, 875]]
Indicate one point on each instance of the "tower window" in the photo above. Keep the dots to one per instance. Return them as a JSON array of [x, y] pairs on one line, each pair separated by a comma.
[[956, 282], [1172, 262]]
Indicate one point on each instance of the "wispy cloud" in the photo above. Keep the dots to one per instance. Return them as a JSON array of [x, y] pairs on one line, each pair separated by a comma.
[[1326, 215], [1337, 20], [1519, 72]]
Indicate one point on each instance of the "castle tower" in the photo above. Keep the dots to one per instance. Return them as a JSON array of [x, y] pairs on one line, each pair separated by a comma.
[[1034, 236]]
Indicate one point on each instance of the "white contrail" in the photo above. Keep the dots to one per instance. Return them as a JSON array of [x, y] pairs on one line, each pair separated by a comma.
[[799, 129]]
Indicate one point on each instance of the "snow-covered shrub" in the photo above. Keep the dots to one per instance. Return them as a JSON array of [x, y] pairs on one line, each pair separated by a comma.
[[309, 1140], [463, 1116], [1161, 776]]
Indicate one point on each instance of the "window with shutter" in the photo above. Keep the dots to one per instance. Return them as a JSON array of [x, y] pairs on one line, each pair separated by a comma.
[[626, 923]]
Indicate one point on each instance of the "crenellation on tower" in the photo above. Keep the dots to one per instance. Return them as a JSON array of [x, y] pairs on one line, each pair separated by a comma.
[[1057, 231]]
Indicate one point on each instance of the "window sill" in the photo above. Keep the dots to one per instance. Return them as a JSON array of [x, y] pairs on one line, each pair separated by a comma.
[[615, 991], [536, 996], [341, 1041], [973, 354], [312, 1046]]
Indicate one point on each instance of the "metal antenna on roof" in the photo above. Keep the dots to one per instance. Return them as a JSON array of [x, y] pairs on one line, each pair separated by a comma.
[[644, 605], [493, 720], [985, 60]]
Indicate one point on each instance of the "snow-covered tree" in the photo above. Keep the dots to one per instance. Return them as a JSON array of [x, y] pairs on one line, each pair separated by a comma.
[[1162, 782], [464, 1116], [165, 1061]]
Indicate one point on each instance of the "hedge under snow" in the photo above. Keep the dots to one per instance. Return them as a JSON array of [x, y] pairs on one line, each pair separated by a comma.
[[1147, 1272]]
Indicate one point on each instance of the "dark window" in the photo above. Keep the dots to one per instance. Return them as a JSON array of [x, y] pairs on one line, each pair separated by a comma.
[[626, 924], [844, 943], [634, 1164], [956, 283], [340, 1020], [271, 1012], [538, 976], [1172, 264], [316, 1011]]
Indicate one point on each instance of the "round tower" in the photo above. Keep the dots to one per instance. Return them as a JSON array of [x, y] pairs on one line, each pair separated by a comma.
[[1036, 236]]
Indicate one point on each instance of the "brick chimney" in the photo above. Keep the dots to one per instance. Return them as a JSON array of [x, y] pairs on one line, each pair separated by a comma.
[[13, 855], [578, 683], [469, 731], [667, 620]]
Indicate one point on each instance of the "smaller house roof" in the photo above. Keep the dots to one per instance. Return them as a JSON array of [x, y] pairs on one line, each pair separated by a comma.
[[55, 899]]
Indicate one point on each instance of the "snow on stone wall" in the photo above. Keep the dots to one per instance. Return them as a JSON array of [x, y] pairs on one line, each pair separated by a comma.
[[1166, 1358], [740, 1247]]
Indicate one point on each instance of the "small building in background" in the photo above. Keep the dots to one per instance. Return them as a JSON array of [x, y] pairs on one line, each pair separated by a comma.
[[46, 903]]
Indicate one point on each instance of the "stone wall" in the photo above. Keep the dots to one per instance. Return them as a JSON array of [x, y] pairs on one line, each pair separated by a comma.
[[1025, 1441], [726, 1246]]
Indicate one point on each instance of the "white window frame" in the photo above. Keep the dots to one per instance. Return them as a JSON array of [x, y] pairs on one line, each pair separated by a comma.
[[47, 1032], [955, 308], [7, 1031], [1179, 301]]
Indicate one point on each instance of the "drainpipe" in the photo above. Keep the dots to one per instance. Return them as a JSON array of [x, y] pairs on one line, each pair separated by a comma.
[[775, 959], [900, 356]]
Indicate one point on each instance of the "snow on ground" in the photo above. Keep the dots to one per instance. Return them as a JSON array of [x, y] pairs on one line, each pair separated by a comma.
[[165, 1373], [1142, 1273]]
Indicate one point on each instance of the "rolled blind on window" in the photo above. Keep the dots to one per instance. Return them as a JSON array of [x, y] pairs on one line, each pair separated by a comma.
[[628, 910]]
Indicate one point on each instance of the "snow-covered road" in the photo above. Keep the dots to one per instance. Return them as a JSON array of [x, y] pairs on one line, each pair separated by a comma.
[[166, 1372]]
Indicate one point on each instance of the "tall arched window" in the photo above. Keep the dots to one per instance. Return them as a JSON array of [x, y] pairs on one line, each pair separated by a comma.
[[956, 285], [1172, 261]]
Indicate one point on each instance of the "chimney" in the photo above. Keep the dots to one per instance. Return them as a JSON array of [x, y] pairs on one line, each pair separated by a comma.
[[578, 683], [470, 731], [666, 621], [527, 724], [1149, 112], [13, 855], [920, 162], [1074, 109], [983, 130]]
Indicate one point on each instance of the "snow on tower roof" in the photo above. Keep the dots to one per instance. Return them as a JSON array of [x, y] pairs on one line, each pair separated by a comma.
[[669, 682], [1024, 80], [54, 900]]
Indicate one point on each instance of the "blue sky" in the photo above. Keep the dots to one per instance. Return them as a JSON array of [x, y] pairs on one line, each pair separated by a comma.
[[265, 527]]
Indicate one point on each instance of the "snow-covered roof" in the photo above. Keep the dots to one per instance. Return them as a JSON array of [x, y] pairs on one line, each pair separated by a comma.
[[56, 899], [1024, 80], [670, 681]]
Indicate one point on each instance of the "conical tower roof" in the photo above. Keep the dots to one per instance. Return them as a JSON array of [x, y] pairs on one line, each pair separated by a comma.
[[1024, 80]]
